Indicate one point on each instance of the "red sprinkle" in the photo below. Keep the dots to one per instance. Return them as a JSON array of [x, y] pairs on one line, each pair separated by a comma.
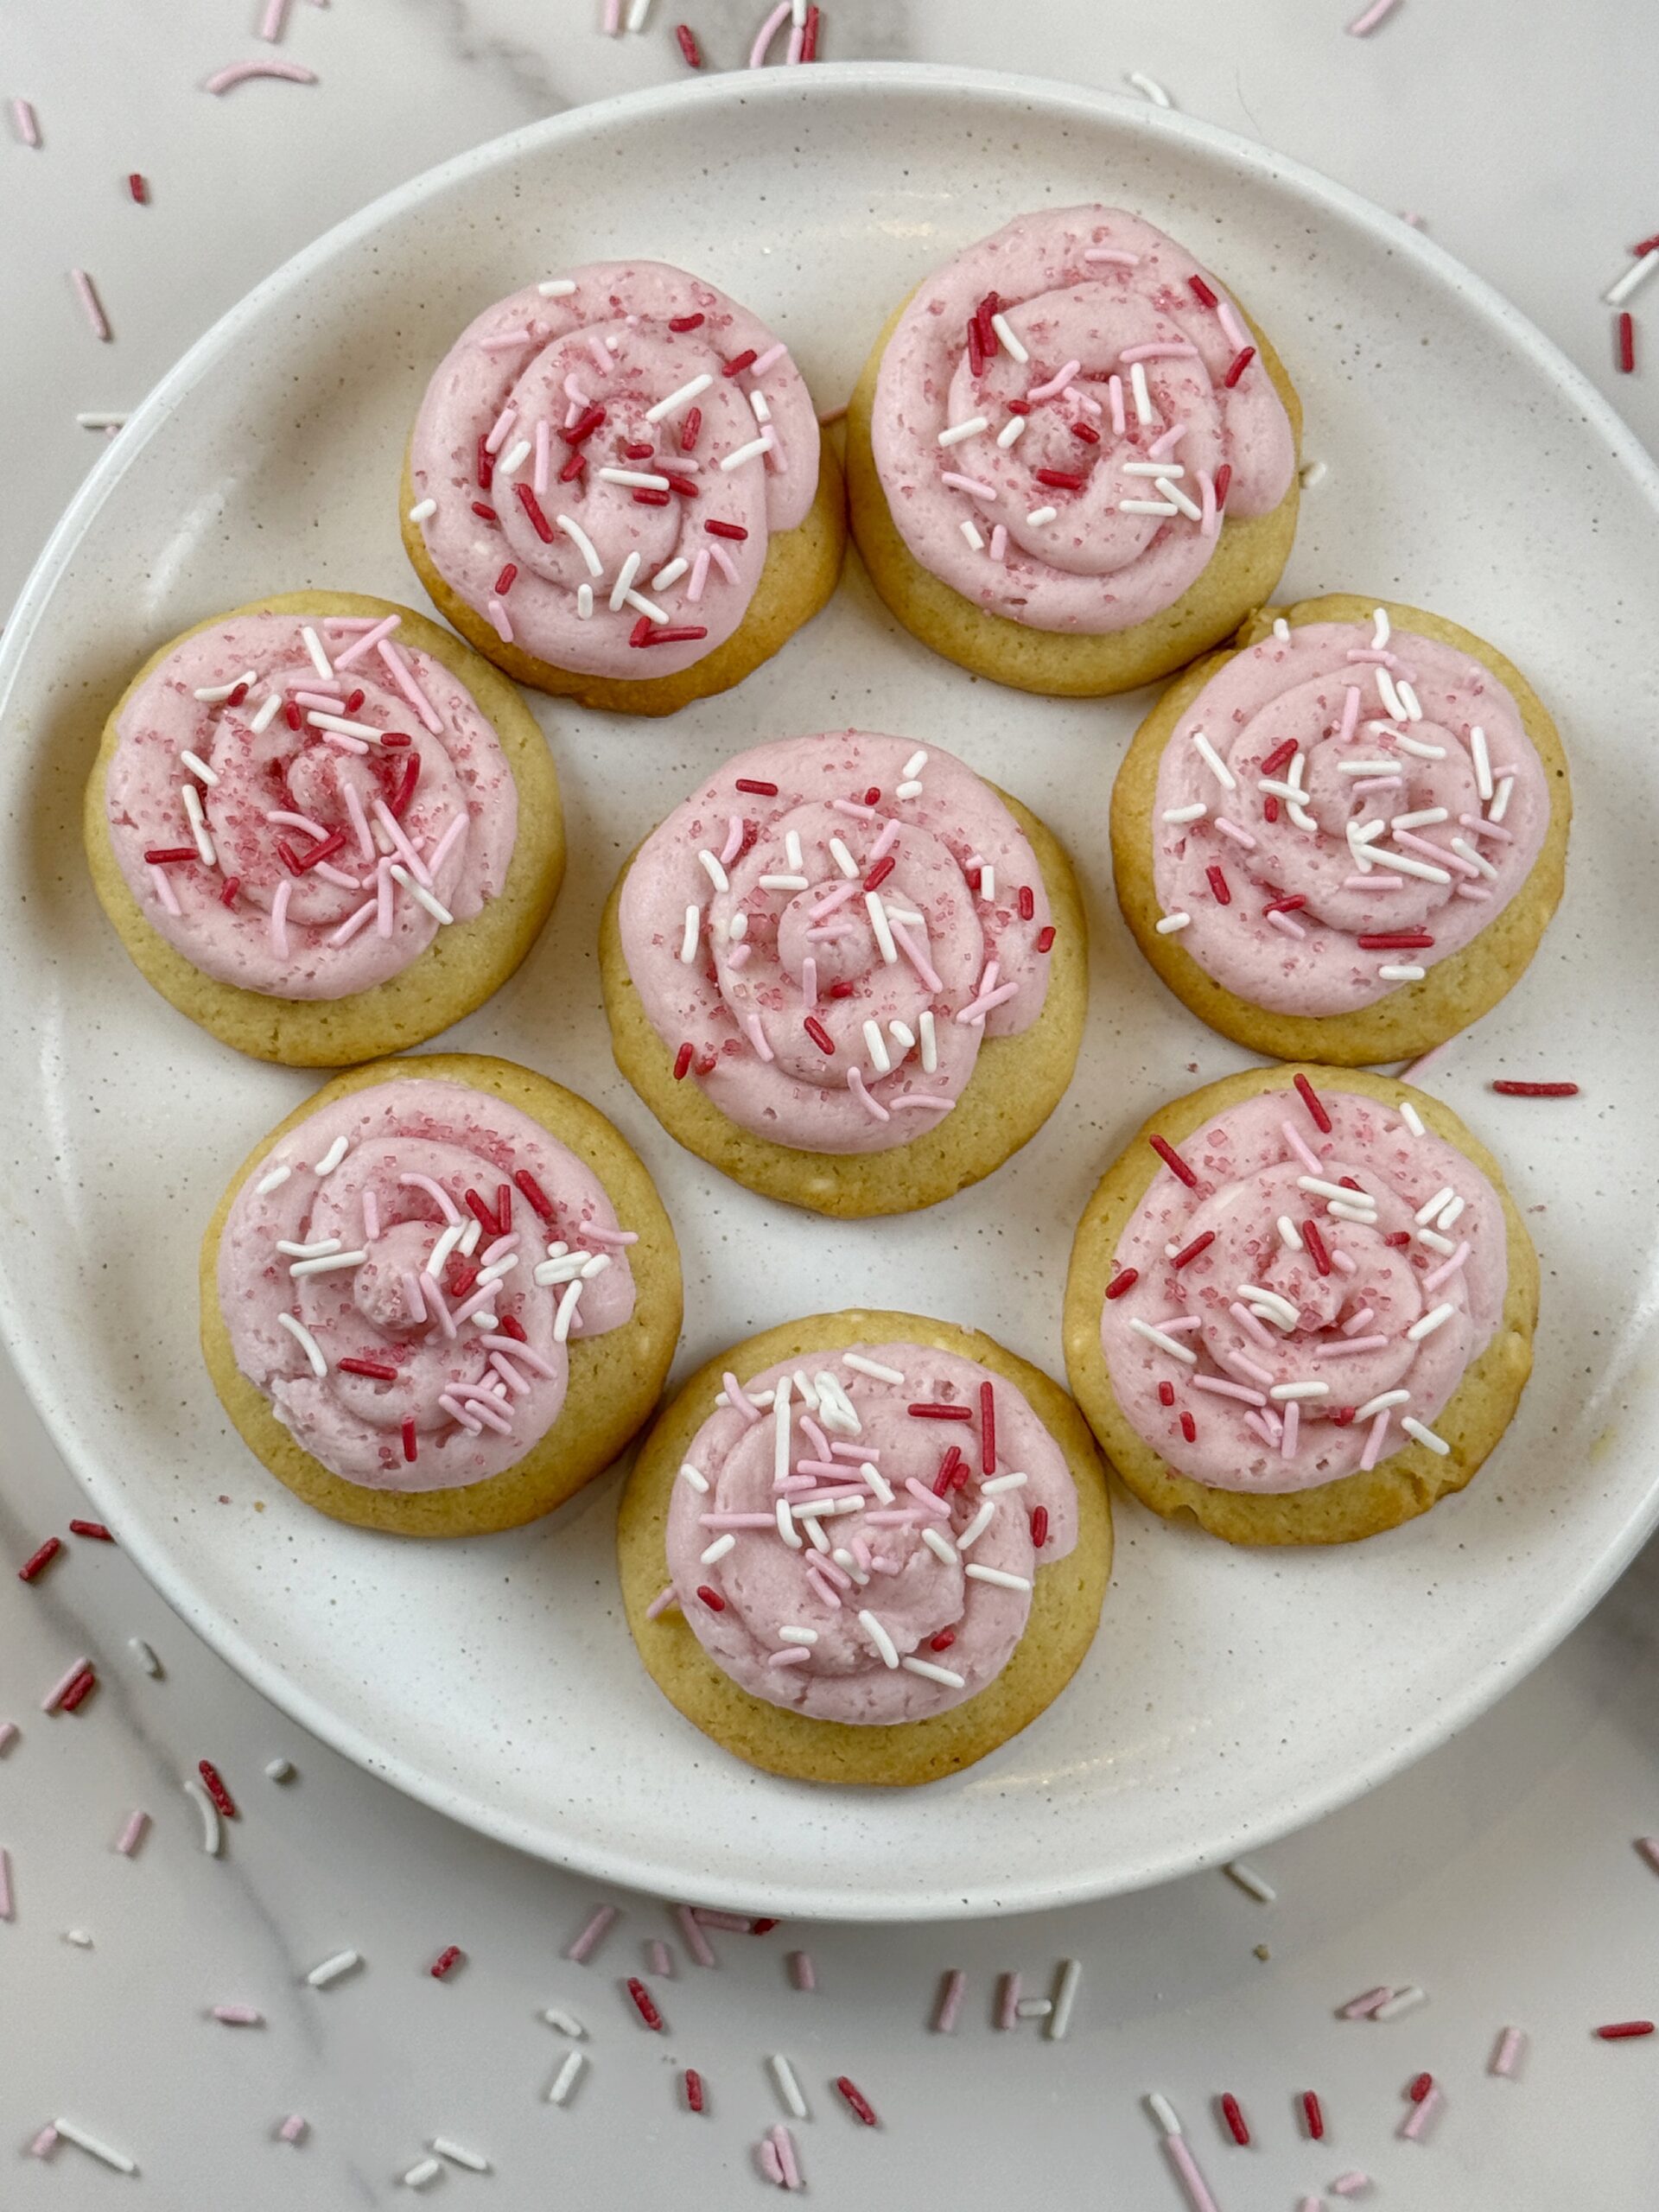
[[1536, 1089], [1205, 298], [1238, 365], [504, 1207], [809, 35], [1316, 1245], [1420, 2087], [693, 2079], [1229, 2111], [405, 790], [946, 1478], [1086, 432], [1270, 808], [1280, 754], [641, 633], [1040, 1527], [504, 584], [1045, 937], [1218, 884], [460, 1277], [1648, 246], [214, 1782], [873, 794], [647, 498], [1062, 480], [739, 362], [881, 872], [139, 189], [1315, 1105], [1173, 1160], [725, 530], [688, 44], [90, 1529], [227, 896], [1395, 941], [480, 1212], [682, 1063], [1313, 2115], [1199, 1244], [987, 1428], [575, 467], [686, 322], [1349, 1184], [485, 463], [411, 1447], [1626, 343], [1119, 1284], [857, 2099], [1224, 478], [486, 513], [1287, 905], [840, 990], [976, 348], [326, 850], [237, 695], [1166, 1394], [1027, 902], [291, 713], [1622, 2031], [539, 1202], [1342, 1415], [584, 426], [929, 1410], [712, 1598], [1189, 1428], [943, 1641], [684, 634], [1018, 407], [356, 700], [753, 784], [32, 1566], [511, 1325], [646, 2002], [376, 1369], [820, 1036], [78, 1692], [166, 855], [446, 1959], [1398, 1237]]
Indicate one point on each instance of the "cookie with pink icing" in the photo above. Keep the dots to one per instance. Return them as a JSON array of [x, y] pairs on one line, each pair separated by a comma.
[[440, 1297], [615, 488], [1345, 839], [1072, 459], [848, 971], [865, 1547], [1301, 1306], [323, 827]]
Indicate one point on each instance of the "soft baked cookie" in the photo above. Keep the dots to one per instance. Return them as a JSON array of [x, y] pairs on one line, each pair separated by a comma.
[[323, 828], [1344, 839], [847, 973], [440, 1297], [616, 488], [966, 1547], [1301, 1306], [1071, 458]]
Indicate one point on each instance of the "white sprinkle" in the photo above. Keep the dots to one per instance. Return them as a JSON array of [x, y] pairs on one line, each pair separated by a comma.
[[1419, 746], [940, 1546], [1033, 2008], [1155, 93], [719, 1548], [1151, 468], [693, 931], [1290, 1393], [211, 695], [1401, 972], [1171, 923], [330, 1970], [565, 2080], [422, 510], [1413, 711], [1145, 506], [145, 1655], [1483, 762], [1381, 1402], [876, 1044], [199, 767], [909, 789], [958, 431], [327, 1265], [267, 713], [307, 1343], [473, 2160], [625, 577], [929, 1672], [715, 872], [1000, 1483], [670, 575], [1196, 812], [1251, 1882], [1011, 431], [790, 1634], [976, 543], [879, 1637], [279, 1769], [1065, 1996], [332, 1158], [584, 545], [556, 288], [1143, 407], [788, 2087], [514, 457], [1411, 1117], [1164, 2112], [1401, 864], [1313, 474], [878, 914], [1639, 270], [873, 1368], [1039, 516], [422, 896], [422, 2171], [1179, 499], [763, 444], [1214, 761], [273, 1181], [566, 2022], [1403, 2000], [641, 479], [1426, 818], [94, 2148], [1415, 1429], [211, 1834], [567, 1312], [314, 646], [683, 398], [1500, 805], [929, 1043], [584, 603], [1171, 1344], [995, 1574], [1380, 632], [782, 882]]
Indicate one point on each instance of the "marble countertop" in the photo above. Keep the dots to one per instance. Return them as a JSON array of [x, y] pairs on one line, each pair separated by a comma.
[[1499, 1874]]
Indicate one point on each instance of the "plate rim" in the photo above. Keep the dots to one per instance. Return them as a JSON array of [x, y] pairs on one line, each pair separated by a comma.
[[23, 633]]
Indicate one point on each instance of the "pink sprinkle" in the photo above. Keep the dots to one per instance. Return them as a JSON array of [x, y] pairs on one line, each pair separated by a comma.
[[365, 641], [1350, 1343], [272, 23], [802, 1970], [1227, 316], [949, 2006], [132, 1835], [1008, 2000], [90, 302], [66, 1683], [768, 32], [793, 1655], [8, 1735], [29, 128], [1447, 1269], [588, 1940], [1218, 1387], [1420, 2115], [238, 73], [6, 1905], [1508, 2051], [1111, 254], [783, 2141], [1373, 1450], [1372, 16], [163, 890], [695, 1942], [403, 677], [1056, 383], [502, 620], [1114, 394], [1300, 1146], [1198, 2189], [1251, 1327], [968, 484], [659, 1960], [1361, 2008], [999, 546], [855, 1083], [729, 1923], [294, 2128], [1153, 353], [1356, 1322], [766, 2153], [1352, 2183], [1284, 924], [239, 2016], [1293, 1422], [45, 2143], [279, 900]]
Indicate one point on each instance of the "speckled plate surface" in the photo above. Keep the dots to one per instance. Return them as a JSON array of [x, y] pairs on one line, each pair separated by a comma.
[[1228, 1696]]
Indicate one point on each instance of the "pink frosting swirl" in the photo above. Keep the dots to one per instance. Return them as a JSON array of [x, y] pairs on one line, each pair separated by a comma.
[[297, 858], [1104, 374], [580, 441], [829, 929], [384, 1318], [920, 1587], [1378, 803], [1315, 1299]]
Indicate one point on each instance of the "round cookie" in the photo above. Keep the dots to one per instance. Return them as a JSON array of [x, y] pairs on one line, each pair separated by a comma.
[[1016, 1081], [1065, 1606], [1412, 1476], [614, 1379], [1415, 1015], [462, 964], [1071, 654], [596, 442]]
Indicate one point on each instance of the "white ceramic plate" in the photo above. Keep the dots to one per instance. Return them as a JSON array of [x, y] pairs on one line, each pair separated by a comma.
[[1228, 1696]]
